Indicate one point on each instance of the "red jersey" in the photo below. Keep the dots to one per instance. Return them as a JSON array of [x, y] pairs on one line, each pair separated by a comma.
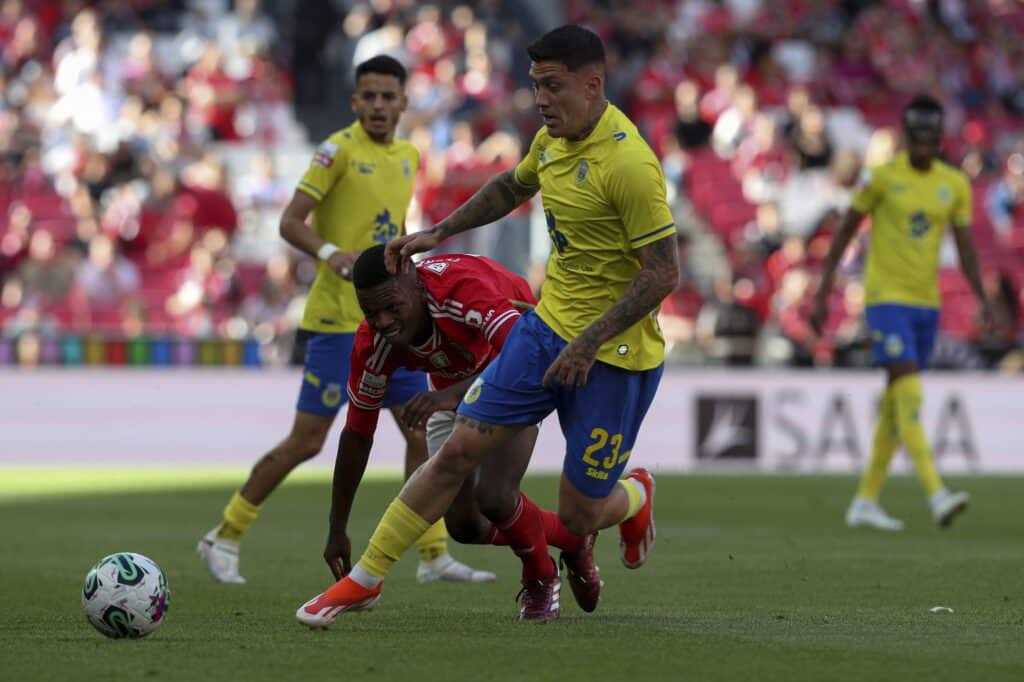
[[473, 303]]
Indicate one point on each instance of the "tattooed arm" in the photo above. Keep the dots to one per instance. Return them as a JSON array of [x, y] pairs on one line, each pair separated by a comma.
[[658, 277], [497, 198]]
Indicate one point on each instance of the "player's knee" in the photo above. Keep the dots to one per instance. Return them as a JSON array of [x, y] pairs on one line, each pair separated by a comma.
[[496, 501], [456, 459], [304, 445]]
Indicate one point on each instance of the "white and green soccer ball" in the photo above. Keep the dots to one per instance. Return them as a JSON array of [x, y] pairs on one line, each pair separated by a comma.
[[125, 595]]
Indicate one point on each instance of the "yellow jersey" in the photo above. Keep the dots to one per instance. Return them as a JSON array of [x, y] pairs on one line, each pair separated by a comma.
[[909, 210], [604, 197], [363, 188]]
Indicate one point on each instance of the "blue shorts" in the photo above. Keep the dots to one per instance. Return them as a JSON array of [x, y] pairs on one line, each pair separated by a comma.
[[325, 377], [600, 421], [902, 333]]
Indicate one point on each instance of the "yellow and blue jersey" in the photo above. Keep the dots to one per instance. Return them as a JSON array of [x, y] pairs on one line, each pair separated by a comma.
[[603, 197], [363, 188], [909, 210]]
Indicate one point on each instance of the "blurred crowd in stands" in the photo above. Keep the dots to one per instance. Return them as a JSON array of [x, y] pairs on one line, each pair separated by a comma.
[[147, 148]]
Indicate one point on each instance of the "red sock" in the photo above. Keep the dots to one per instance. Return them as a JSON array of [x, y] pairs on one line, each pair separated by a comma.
[[557, 534], [524, 531]]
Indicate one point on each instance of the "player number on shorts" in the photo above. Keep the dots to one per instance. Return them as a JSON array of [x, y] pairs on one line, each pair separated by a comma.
[[599, 466]]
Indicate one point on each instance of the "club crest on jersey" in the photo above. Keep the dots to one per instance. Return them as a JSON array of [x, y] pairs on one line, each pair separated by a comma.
[[944, 194], [474, 391], [324, 156], [436, 268], [581, 172], [544, 158], [440, 360], [406, 171]]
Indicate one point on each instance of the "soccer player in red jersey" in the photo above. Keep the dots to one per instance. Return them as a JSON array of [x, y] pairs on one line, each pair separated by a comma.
[[448, 317]]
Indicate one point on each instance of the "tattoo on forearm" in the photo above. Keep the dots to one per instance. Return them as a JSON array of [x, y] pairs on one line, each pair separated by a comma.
[[479, 427], [658, 277], [496, 199]]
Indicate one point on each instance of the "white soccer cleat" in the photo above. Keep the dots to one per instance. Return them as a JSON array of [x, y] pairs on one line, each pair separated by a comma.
[[221, 557], [946, 506], [869, 514], [447, 569]]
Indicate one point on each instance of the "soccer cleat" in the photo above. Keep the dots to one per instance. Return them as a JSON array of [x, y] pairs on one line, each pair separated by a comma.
[[447, 569], [869, 514], [221, 557], [344, 596], [636, 534], [539, 599], [582, 574], [946, 506]]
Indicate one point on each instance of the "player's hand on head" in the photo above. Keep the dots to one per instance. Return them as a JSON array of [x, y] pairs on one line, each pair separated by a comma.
[[572, 366], [338, 554], [399, 252], [341, 263]]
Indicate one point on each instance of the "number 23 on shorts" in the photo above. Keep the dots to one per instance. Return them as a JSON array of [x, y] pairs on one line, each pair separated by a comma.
[[599, 466]]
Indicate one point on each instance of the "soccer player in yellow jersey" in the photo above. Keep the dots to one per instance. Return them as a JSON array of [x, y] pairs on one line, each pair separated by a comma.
[[357, 188], [591, 351], [911, 201]]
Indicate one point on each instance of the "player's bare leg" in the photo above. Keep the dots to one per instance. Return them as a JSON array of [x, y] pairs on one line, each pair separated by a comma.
[[219, 548], [436, 564], [630, 506]]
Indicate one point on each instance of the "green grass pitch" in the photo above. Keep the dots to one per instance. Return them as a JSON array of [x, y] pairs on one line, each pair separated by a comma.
[[752, 579]]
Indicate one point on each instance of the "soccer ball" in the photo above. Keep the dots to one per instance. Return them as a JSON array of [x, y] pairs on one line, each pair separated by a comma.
[[125, 595]]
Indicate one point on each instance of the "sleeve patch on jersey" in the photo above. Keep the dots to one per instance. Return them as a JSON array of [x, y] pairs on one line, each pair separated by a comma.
[[324, 156], [652, 233], [373, 386]]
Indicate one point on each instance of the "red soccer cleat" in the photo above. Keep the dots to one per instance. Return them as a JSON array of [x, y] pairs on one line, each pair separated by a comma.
[[636, 534], [582, 574], [345, 595], [540, 599]]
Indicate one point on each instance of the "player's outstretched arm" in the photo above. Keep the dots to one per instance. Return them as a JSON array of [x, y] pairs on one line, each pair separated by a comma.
[[349, 466], [972, 270], [657, 278], [497, 198], [842, 239]]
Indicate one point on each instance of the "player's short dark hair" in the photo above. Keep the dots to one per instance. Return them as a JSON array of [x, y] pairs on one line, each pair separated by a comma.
[[571, 45], [923, 116], [384, 65], [369, 269]]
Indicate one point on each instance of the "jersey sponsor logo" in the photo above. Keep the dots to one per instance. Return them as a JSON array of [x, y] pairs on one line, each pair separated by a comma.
[[558, 238], [581, 172], [440, 360], [898, 187], [383, 229], [726, 427], [436, 268], [919, 224], [324, 156], [473, 394], [619, 136], [331, 396], [372, 385]]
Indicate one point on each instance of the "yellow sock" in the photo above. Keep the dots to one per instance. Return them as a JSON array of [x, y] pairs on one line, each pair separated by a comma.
[[238, 516], [883, 447], [636, 498], [907, 397], [434, 542], [397, 531]]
